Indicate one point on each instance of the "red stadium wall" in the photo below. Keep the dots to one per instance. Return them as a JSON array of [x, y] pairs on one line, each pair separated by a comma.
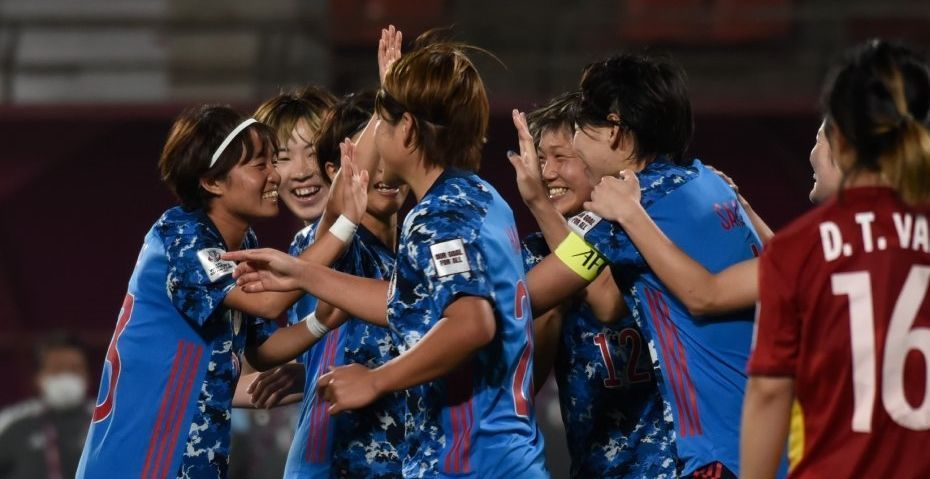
[[80, 189]]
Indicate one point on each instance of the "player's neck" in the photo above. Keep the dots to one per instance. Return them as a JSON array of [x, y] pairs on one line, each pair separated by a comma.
[[232, 228], [864, 178], [383, 229], [421, 181]]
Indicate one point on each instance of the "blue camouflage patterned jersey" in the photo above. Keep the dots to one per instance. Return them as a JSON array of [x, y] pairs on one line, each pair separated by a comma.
[[357, 443], [163, 409], [701, 360], [616, 424], [478, 420]]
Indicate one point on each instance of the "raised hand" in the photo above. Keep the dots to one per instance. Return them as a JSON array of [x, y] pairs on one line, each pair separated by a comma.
[[273, 385], [388, 49], [348, 387], [616, 198], [348, 194], [266, 269], [526, 164]]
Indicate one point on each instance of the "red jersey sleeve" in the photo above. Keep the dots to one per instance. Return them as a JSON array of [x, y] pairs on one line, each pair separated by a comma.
[[777, 335]]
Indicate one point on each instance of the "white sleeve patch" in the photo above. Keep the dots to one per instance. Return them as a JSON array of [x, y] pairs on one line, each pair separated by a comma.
[[583, 222], [215, 267], [449, 257]]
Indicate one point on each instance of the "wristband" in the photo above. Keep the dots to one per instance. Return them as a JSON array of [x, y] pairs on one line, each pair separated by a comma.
[[316, 328], [580, 257], [343, 228]]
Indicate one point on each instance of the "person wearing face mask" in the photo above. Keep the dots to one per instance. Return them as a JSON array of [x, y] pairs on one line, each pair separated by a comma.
[[42, 437]]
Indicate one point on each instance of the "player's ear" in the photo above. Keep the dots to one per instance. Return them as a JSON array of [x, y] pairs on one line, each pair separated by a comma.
[[213, 186], [616, 132], [331, 170], [407, 128]]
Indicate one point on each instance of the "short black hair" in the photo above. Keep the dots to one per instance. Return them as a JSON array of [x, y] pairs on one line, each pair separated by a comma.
[[195, 135], [560, 112], [56, 340], [344, 119], [649, 93]]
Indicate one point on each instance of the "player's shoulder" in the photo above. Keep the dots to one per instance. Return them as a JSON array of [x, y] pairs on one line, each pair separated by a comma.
[[663, 176], [303, 238], [181, 224], [19, 412], [457, 203]]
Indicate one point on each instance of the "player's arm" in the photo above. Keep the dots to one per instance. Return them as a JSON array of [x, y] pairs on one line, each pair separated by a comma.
[[348, 197], [604, 298], [773, 364], [766, 414], [287, 343], [275, 387], [762, 229], [263, 270], [547, 330], [701, 291], [467, 325]]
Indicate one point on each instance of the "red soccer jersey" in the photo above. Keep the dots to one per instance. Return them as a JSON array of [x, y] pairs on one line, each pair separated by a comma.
[[844, 311]]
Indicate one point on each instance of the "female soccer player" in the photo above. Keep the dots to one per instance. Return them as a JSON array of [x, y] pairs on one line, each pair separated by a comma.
[[702, 292], [358, 443], [457, 302], [173, 361], [635, 114], [843, 290], [614, 417]]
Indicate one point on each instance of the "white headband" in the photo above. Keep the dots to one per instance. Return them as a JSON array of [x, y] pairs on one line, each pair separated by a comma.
[[229, 138]]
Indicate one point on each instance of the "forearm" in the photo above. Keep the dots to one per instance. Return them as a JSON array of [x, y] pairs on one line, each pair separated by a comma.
[[546, 332], [550, 283], [448, 344], [283, 346], [551, 223], [762, 229], [366, 156], [766, 414], [363, 298], [604, 298], [701, 291]]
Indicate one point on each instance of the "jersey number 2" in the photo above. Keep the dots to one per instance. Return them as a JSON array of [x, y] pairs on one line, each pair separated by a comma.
[[102, 410], [523, 392], [900, 340]]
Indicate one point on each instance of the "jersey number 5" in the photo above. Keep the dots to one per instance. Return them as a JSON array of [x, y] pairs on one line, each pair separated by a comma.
[[103, 409], [900, 340]]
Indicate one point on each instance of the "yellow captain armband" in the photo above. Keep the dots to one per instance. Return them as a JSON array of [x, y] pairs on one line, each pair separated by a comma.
[[581, 257]]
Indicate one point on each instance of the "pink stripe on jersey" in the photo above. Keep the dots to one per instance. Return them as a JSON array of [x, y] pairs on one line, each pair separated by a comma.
[[188, 385], [461, 414], [673, 353], [179, 408], [691, 394], [318, 431], [176, 389], [158, 430]]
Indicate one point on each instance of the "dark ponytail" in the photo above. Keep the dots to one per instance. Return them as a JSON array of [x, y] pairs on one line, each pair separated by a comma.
[[880, 101]]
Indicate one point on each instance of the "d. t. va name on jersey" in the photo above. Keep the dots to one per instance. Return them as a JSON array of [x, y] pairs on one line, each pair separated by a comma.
[[912, 233]]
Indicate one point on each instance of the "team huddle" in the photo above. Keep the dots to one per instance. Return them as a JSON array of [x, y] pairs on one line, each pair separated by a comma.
[[686, 339]]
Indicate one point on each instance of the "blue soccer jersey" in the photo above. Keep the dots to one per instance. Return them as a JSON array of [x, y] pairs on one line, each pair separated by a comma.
[[616, 423], [357, 443], [163, 409], [477, 421], [702, 360]]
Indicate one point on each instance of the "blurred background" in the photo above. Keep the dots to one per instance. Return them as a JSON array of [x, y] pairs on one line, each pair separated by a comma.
[[88, 90]]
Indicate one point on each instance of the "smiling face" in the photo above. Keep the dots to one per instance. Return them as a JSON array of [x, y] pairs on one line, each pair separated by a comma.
[[563, 172], [826, 174], [302, 188], [250, 189]]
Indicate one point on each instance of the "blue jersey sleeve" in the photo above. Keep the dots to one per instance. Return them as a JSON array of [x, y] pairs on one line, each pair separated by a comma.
[[198, 280], [452, 259], [534, 250], [608, 238]]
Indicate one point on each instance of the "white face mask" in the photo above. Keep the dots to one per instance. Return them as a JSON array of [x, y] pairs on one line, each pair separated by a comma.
[[64, 390]]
